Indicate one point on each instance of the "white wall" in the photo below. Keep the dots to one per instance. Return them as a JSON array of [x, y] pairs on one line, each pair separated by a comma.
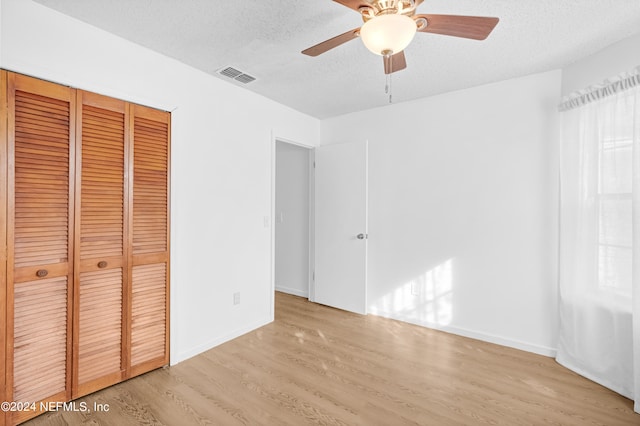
[[609, 62], [463, 189], [292, 219], [463, 209], [221, 164]]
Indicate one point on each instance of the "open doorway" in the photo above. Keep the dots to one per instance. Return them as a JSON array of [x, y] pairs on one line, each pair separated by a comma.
[[292, 219]]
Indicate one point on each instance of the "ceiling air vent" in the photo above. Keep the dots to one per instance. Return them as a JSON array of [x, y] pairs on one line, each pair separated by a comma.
[[237, 75], [245, 78]]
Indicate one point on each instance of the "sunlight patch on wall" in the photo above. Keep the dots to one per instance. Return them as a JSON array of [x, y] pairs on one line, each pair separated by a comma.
[[425, 299]]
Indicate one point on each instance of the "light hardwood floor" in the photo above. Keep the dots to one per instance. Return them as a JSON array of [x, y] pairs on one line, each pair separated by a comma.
[[318, 365]]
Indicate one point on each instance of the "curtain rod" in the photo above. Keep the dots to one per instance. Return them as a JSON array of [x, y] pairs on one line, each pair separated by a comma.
[[625, 81]]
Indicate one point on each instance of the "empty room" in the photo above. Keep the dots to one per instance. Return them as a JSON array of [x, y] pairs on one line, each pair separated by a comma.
[[333, 212]]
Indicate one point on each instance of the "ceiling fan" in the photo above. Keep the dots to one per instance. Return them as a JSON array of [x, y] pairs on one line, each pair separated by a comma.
[[390, 25]]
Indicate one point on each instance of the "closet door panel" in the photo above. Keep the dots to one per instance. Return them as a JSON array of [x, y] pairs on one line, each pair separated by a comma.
[[39, 241], [100, 249], [150, 240], [3, 235]]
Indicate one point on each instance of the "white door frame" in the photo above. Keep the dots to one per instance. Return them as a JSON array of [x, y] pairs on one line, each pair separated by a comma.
[[271, 221]]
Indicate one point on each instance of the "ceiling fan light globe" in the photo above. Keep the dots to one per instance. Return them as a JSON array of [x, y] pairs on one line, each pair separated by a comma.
[[388, 33]]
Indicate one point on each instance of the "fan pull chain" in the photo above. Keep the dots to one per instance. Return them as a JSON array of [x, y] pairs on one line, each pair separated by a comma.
[[388, 88]]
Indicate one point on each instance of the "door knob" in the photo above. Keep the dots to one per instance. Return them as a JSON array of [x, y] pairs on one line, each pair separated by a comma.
[[361, 236]]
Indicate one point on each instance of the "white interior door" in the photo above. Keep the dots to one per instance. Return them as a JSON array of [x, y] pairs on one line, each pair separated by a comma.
[[341, 226]]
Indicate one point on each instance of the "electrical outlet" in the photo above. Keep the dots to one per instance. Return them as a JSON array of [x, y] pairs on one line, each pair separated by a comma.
[[236, 298]]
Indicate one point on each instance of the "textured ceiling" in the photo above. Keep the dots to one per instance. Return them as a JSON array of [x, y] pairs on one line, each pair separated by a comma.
[[264, 38]]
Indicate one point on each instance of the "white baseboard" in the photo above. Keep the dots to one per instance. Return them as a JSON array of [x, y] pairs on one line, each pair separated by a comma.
[[184, 355], [485, 337], [294, 291]]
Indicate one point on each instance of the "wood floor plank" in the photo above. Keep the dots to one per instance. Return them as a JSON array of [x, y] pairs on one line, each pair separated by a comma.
[[319, 365]]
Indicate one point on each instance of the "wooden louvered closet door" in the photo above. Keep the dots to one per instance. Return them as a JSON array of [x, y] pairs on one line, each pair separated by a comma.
[[39, 241], [150, 240], [100, 273], [3, 233], [84, 241]]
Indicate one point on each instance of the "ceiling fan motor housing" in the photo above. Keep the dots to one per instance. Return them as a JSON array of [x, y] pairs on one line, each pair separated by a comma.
[[387, 7]]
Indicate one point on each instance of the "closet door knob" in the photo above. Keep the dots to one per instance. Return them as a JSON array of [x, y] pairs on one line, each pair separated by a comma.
[[41, 273], [102, 264]]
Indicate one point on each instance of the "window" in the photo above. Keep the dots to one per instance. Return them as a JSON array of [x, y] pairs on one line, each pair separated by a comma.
[[614, 215]]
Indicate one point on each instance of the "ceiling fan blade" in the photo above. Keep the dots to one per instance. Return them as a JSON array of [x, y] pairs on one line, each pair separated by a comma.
[[331, 43], [394, 63], [353, 4], [473, 27]]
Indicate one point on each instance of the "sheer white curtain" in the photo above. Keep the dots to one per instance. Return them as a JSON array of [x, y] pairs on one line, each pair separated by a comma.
[[600, 235]]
